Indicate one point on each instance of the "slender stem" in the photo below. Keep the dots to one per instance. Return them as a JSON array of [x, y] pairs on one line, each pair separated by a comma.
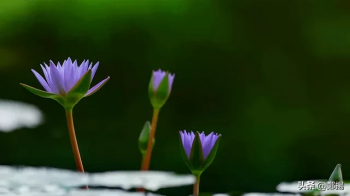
[[147, 159], [74, 142], [196, 186]]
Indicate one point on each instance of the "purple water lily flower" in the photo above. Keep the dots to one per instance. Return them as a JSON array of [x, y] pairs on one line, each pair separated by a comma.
[[207, 142], [198, 151], [158, 77], [59, 79], [159, 88], [68, 84]]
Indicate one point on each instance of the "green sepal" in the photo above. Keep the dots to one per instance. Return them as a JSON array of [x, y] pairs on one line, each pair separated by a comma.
[[43, 94], [197, 173], [159, 96], [38, 92], [144, 137], [196, 157], [78, 91], [212, 154], [184, 155]]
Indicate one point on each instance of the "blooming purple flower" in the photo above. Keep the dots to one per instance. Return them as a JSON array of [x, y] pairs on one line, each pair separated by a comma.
[[207, 142], [158, 78], [59, 79]]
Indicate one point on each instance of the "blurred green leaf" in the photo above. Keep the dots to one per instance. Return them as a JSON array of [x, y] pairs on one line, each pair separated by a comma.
[[336, 175]]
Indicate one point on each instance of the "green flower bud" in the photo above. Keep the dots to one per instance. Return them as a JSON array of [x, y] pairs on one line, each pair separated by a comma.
[[144, 137]]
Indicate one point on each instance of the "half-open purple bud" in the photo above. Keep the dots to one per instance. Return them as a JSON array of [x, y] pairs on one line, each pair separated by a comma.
[[160, 88], [198, 150]]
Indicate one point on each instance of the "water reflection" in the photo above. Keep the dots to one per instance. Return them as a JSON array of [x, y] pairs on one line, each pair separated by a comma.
[[107, 193], [49, 181], [152, 180], [15, 115], [46, 178], [32, 192]]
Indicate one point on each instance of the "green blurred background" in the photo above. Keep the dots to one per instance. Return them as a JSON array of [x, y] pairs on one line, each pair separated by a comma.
[[271, 76]]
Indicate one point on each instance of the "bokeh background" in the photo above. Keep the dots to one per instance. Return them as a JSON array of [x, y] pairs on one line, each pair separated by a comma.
[[271, 76]]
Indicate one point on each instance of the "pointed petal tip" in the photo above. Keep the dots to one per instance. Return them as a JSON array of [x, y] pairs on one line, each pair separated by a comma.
[[96, 87], [52, 63]]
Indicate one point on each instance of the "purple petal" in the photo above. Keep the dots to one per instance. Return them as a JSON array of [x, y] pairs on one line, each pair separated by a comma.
[[206, 147], [189, 140], [94, 69], [69, 60], [45, 72], [56, 78], [47, 76], [182, 139], [50, 82], [171, 80], [83, 68], [157, 78], [202, 138], [208, 143], [68, 76], [96, 87], [73, 76], [90, 66], [207, 139], [60, 69], [42, 81], [76, 71]]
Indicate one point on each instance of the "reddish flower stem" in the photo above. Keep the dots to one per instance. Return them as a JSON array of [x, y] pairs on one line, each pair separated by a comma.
[[147, 158], [74, 142], [196, 187]]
